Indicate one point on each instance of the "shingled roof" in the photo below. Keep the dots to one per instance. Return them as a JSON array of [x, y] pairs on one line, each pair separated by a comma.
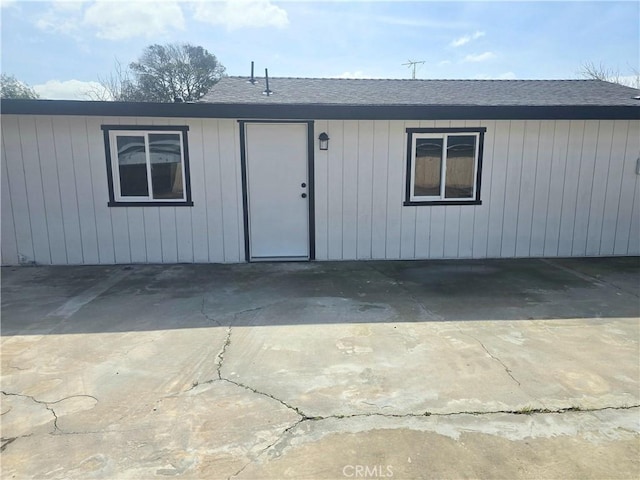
[[324, 98], [365, 92]]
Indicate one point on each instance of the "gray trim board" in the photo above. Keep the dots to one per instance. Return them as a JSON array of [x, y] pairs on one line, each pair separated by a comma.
[[320, 111]]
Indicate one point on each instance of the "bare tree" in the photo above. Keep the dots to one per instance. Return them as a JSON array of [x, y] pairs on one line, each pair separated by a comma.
[[608, 74], [117, 86]]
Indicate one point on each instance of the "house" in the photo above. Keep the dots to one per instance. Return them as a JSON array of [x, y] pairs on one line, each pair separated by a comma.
[[325, 169]]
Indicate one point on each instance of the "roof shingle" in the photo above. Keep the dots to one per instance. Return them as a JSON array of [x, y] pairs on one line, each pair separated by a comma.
[[327, 91]]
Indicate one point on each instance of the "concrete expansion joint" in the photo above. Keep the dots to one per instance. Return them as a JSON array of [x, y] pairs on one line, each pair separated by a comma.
[[597, 281], [583, 276]]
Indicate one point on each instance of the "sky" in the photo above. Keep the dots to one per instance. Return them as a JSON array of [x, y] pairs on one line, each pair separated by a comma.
[[62, 48]]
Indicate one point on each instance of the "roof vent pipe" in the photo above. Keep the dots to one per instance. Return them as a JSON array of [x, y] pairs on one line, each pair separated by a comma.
[[252, 80], [267, 92]]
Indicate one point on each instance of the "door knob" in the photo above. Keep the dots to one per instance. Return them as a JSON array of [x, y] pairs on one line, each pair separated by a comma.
[[304, 195], [303, 185]]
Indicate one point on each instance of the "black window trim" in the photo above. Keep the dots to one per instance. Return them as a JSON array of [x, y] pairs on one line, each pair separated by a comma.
[[445, 130], [188, 202]]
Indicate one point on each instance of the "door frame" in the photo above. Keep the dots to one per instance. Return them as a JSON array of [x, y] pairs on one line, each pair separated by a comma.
[[311, 182]]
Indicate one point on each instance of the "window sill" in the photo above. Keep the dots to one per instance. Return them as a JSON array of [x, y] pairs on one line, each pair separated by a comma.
[[441, 202], [150, 204]]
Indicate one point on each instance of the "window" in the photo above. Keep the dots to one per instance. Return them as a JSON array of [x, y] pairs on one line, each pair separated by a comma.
[[444, 166], [147, 165]]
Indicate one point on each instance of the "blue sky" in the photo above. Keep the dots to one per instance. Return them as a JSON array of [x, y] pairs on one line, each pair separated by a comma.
[[61, 46]]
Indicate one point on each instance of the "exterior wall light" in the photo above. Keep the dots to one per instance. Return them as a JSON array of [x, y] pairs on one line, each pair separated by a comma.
[[324, 141]]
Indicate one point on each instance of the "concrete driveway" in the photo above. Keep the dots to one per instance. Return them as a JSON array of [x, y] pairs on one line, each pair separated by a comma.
[[439, 369]]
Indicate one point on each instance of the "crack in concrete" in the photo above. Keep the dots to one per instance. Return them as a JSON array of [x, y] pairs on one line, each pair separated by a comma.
[[234, 314], [306, 418], [431, 315], [206, 316], [532, 411], [220, 356], [282, 402], [254, 309], [265, 449], [56, 429], [506, 369], [8, 441]]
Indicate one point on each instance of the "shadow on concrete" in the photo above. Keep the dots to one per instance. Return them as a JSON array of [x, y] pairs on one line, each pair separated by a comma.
[[103, 299]]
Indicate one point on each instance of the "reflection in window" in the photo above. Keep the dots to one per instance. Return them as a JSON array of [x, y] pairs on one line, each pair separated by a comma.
[[132, 166], [443, 165], [428, 166], [460, 166], [166, 171], [148, 166]]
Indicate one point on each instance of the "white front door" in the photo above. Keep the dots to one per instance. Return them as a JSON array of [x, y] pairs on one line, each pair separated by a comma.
[[277, 190]]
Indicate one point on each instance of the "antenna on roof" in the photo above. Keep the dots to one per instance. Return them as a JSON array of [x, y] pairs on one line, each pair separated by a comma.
[[413, 64], [267, 92], [252, 80]]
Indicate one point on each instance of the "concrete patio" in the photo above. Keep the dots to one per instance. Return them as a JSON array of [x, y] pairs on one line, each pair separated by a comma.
[[423, 369]]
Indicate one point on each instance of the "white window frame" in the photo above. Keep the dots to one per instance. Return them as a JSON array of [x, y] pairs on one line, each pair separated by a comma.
[[117, 199], [442, 134]]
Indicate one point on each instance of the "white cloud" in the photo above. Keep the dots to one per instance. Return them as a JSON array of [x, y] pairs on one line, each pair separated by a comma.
[[458, 42], [501, 76], [66, 90], [68, 5], [235, 14], [133, 19], [113, 20], [356, 74], [480, 57], [7, 3], [55, 22], [62, 16], [630, 80]]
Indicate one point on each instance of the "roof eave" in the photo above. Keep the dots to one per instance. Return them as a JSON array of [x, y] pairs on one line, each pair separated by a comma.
[[321, 111]]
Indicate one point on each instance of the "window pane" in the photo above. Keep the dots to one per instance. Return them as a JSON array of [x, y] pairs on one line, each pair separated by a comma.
[[459, 180], [166, 165], [132, 165], [428, 167]]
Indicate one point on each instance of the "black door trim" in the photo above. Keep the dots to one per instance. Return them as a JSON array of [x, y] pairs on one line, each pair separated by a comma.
[[311, 174]]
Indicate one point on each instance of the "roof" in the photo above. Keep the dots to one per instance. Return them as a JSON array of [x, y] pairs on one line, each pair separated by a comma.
[[339, 99], [332, 91]]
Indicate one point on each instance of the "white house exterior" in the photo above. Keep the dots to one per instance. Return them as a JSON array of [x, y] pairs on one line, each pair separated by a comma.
[[546, 169]]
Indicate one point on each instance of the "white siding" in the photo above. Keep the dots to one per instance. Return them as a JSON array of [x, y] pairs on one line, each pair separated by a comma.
[[55, 194], [549, 188]]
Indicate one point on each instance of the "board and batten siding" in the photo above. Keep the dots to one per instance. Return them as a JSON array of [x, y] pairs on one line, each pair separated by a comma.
[[549, 188], [55, 194]]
